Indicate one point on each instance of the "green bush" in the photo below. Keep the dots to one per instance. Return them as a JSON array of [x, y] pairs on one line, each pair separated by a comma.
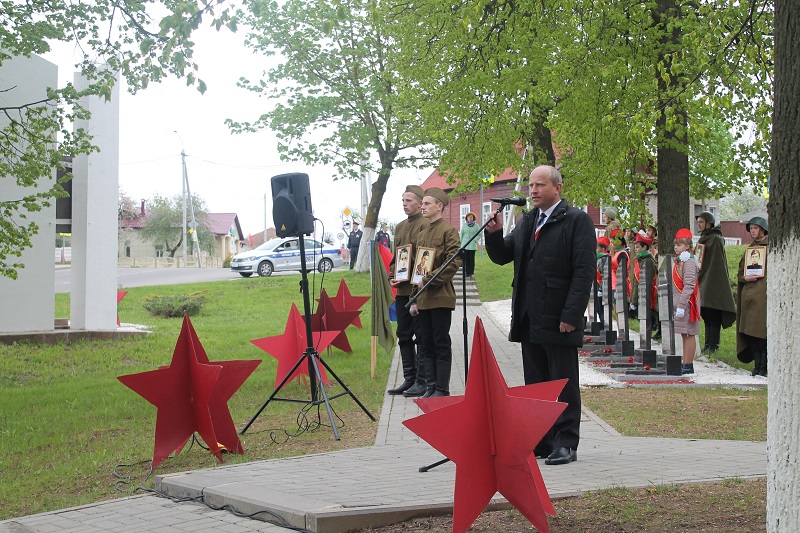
[[174, 306], [226, 263]]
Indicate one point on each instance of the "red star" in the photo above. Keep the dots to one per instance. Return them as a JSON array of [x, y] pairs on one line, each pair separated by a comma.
[[344, 301], [291, 346], [328, 318], [120, 296], [490, 433], [191, 395]]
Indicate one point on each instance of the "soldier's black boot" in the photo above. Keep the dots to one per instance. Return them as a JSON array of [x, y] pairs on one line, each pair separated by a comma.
[[442, 385], [408, 355], [421, 384]]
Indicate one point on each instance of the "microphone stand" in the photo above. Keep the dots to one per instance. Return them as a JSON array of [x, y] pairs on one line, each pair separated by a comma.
[[465, 325]]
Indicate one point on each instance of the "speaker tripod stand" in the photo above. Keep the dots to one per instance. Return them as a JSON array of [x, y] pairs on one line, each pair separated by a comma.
[[289, 190]]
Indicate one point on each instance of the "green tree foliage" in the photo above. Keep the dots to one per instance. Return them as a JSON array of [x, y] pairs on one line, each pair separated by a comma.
[[165, 218], [479, 66], [629, 90], [338, 97], [143, 42]]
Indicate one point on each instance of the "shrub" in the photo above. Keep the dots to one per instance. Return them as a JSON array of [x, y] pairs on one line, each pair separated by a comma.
[[174, 306], [226, 263]]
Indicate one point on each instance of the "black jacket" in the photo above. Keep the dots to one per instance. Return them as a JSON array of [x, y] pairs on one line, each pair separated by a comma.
[[553, 279]]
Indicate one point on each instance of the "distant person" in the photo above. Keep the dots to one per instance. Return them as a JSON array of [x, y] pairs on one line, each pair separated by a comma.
[[603, 244], [718, 309], [469, 229], [383, 237], [641, 248], [610, 220], [652, 233], [751, 319], [353, 242], [686, 297], [436, 304], [552, 248]]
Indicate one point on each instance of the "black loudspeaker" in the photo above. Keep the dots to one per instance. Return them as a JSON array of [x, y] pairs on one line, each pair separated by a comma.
[[291, 205]]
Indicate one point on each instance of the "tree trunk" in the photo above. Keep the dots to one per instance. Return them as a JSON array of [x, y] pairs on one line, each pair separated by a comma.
[[672, 158], [371, 218], [783, 282]]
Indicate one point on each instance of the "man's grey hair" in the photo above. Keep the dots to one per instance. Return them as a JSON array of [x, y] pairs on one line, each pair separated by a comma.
[[555, 176]]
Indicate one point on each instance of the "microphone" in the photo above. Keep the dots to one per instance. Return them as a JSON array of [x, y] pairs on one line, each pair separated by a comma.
[[513, 201]]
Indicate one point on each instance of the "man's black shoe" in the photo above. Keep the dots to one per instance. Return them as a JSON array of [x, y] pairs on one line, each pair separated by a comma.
[[415, 391], [402, 388], [561, 456]]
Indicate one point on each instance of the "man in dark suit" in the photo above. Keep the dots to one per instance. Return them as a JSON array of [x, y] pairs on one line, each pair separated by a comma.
[[553, 250]]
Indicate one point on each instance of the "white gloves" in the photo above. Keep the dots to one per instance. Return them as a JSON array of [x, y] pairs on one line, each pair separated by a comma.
[[685, 255], [680, 312]]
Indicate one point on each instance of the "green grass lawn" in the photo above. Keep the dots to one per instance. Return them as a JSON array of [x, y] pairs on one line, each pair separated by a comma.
[[66, 421]]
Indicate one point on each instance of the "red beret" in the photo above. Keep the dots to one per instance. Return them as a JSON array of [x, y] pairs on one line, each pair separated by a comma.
[[614, 232], [684, 233], [641, 238], [604, 241]]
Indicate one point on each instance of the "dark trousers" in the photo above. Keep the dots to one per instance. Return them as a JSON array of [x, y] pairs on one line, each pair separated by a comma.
[[353, 257], [469, 262], [712, 319], [406, 323], [548, 362], [433, 333]]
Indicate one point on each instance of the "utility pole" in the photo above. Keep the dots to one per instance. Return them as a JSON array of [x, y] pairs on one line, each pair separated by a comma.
[[183, 195]]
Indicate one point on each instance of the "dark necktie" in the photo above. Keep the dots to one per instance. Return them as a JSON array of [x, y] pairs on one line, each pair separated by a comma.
[[539, 224]]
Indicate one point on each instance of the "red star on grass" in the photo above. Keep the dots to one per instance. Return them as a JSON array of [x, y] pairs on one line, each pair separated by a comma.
[[344, 301], [490, 433], [291, 345], [120, 296], [191, 394], [328, 318]]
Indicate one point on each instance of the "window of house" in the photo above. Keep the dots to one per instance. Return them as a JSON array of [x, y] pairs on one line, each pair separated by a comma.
[[159, 251], [463, 209]]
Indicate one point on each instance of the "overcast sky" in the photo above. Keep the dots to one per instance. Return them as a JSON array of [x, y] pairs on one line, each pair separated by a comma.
[[230, 172]]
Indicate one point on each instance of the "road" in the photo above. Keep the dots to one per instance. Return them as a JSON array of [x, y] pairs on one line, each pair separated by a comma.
[[144, 277]]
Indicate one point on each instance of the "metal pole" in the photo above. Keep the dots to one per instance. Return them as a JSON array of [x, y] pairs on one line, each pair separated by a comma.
[[183, 196]]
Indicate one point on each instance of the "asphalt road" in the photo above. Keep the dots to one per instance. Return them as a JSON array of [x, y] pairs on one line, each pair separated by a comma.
[[145, 277]]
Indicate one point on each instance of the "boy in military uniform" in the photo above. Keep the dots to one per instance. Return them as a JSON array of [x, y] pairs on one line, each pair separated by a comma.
[[436, 304], [407, 232]]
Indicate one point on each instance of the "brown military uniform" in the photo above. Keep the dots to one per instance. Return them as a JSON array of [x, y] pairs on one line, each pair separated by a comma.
[[443, 238], [407, 232]]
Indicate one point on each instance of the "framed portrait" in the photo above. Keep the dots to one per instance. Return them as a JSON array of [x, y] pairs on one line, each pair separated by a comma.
[[423, 263], [402, 263], [755, 260], [699, 252]]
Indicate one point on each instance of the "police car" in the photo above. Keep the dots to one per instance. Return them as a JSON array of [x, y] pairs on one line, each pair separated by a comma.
[[284, 254]]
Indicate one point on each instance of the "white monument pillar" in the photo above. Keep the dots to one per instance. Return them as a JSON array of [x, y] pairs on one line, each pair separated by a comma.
[[27, 304], [95, 195]]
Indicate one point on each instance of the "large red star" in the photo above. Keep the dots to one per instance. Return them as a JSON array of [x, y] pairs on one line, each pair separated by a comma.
[[120, 296], [191, 395], [490, 433], [291, 345], [328, 318], [344, 301]]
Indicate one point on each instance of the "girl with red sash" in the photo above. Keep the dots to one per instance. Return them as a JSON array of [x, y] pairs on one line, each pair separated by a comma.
[[686, 297]]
